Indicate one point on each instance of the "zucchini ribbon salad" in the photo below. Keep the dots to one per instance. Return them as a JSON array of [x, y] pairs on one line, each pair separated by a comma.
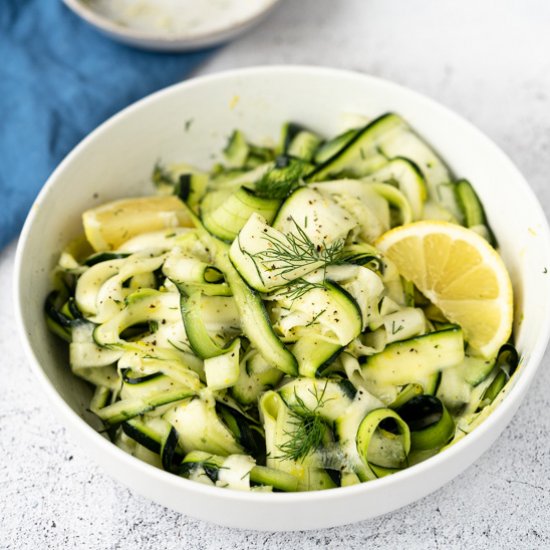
[[311, 315]]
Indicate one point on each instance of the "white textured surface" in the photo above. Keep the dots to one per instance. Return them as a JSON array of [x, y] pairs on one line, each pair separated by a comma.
[[489, 61]]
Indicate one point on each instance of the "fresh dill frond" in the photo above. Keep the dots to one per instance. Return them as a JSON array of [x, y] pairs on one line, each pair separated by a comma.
[[295, 250], [315, 318], [281, 180], [308, 429], [297, 289], [305, 437]]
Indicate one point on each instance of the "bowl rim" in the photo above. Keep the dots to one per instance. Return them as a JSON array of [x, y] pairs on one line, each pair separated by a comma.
[[142, 37], [514, 396]]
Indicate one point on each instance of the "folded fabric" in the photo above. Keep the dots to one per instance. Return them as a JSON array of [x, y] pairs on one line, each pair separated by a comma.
[[59, 79]]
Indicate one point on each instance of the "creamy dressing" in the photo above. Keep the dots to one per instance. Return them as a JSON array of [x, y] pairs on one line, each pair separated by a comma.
[[190, 17]]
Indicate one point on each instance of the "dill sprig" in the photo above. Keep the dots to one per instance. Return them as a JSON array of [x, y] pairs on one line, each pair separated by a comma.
[[295, 250], [307, 428], [306, 436], [297, 289], [315, 318], [281, 180]]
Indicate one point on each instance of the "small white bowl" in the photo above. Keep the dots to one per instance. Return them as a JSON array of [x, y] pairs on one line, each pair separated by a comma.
[[116, 161], [193, 25]]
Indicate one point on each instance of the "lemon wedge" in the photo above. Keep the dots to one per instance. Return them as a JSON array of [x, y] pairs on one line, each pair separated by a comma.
[[459, 272], [108, 226]]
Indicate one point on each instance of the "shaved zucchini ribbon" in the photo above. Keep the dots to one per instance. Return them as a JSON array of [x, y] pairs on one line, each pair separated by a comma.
[[271, 346]]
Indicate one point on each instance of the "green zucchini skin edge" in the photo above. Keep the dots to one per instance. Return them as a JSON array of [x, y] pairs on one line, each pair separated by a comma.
[[256, 323], [322, 170], [199, 339], [139, 419], [429, 420]]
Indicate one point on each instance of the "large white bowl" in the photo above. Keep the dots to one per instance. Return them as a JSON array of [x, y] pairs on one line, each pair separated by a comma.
[[116, 161]]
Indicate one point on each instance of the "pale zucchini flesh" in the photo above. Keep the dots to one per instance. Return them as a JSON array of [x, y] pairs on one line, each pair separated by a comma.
[[243, 330]]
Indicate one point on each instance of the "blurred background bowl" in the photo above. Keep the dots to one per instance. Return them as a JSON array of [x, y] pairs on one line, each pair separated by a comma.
[[116, 161], [172, 25]]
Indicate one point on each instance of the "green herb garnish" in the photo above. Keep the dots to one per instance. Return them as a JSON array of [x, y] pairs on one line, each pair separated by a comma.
[[297, 289], [296, 250], [315, 318], [308, 429]]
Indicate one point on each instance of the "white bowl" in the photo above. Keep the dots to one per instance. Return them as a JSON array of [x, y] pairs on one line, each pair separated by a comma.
[[116, 161], [189, 26]]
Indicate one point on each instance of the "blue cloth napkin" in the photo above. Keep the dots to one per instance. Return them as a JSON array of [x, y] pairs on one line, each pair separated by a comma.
[[59, 79]]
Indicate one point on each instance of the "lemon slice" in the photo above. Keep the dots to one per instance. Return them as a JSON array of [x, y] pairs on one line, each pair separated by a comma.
[[458, 271], [110, 225]]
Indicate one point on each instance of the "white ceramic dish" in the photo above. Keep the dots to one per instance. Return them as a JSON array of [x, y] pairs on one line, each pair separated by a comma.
[[172, 25], [116, 160]]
